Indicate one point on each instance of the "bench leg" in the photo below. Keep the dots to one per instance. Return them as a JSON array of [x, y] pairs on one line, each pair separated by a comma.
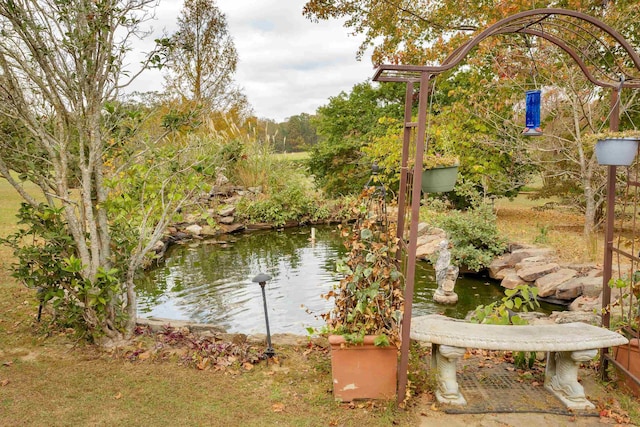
[[561, 377], [446, 358]]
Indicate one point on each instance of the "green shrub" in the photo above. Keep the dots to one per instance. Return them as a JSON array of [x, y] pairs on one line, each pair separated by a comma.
[[474, 236]]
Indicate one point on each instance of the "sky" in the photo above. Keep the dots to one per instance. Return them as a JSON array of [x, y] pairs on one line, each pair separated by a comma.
[[287, 64]]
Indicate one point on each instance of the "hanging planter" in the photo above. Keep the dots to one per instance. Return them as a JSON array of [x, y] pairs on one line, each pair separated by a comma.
[[440, 173], [616, 151], [439, 180]]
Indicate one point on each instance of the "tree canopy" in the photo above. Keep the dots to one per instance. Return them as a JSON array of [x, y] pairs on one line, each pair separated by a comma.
[[202, 58]]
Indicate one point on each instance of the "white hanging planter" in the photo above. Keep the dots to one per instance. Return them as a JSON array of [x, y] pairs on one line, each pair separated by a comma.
[[616, 151]]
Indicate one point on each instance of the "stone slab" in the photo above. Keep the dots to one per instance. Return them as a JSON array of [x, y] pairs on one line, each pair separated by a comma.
[[442, 330]]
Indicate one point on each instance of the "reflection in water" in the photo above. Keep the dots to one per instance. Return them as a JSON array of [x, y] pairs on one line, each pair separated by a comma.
[[211, 283]]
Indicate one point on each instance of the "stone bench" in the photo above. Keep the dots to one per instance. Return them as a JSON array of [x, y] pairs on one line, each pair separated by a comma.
[[566, 345]]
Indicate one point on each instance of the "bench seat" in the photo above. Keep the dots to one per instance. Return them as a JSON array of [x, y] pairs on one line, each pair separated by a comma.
[[567, 345]]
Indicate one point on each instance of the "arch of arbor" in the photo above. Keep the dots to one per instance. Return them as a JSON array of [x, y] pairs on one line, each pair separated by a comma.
[[606, 59]]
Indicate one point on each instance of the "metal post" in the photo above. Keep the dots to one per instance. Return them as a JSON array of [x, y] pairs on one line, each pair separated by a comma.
[[614, 124], [262, 280], [413, 234]]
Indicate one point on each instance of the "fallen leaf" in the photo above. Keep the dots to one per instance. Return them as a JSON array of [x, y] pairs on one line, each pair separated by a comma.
[[278, 407], [203, 363], [144, 356], [248, 366], [118, 396], [4, 383], [7, 363], [434, 407]]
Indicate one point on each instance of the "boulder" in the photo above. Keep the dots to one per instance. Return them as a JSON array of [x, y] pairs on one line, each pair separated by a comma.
[[193, 229], [570, 290], [207, 230], [536, 270], [527, 262], [227, 211], [226, 220], [497, 265], [585, 303], [592, 285], [518, 255], [511, 280], [503, 273], [548, 283], [576, 316]]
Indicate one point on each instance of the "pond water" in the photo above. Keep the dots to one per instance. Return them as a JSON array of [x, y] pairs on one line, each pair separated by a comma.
[[210, 282]]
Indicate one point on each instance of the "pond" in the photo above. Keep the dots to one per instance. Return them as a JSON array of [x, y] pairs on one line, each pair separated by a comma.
[[210, 282]]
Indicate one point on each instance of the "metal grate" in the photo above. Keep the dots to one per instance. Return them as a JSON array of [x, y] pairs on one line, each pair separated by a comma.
[[498, 390]]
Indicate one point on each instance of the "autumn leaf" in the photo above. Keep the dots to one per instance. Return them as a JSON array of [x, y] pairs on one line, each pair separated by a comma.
[[278, 407], [248, 366], [118, 396], [203, 364], [144, 356], [4, 383], [8, 363]]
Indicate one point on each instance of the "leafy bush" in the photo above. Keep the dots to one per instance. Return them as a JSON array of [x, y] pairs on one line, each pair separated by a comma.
[[505, 312], [284, 204], [48, 263], [474, 236], [369, 299]]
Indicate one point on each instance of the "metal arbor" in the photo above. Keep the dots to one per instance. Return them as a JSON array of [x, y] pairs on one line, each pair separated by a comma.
[[604, 56]]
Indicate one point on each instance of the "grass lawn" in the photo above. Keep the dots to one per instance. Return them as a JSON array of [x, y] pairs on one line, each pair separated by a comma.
[[52, 380]]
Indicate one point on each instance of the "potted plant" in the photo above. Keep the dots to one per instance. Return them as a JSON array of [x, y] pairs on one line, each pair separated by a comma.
[[626, 318], [616, 148], [440, 172], [363, 325]]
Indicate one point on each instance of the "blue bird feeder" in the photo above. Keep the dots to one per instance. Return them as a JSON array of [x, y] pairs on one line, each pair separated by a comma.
[[532, 116]]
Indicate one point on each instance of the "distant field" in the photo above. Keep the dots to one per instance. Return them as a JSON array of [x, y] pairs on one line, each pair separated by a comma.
[[304, 155]]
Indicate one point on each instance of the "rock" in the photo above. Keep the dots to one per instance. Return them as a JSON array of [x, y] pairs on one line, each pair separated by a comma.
[[520, 254], [575, 316], [445, 298], [570, 289], [582, 269], [194, 229], [592, 285], [548, 283], [423, 228], [226, 220], [527, 262], [426, 249], [227, 211], [504, 273], [498, 264], [233, 228], [535, 318], [232, 200], [207, 230], [511, 280], [596, 272], [535, 271], [585, 303]]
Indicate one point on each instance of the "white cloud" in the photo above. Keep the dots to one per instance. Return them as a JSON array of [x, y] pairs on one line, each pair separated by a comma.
[[287, 64]]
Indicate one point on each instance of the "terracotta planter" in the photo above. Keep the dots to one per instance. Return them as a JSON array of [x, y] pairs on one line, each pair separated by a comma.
[[439, 180], [629, 357], [363, 371], [616, 151]]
